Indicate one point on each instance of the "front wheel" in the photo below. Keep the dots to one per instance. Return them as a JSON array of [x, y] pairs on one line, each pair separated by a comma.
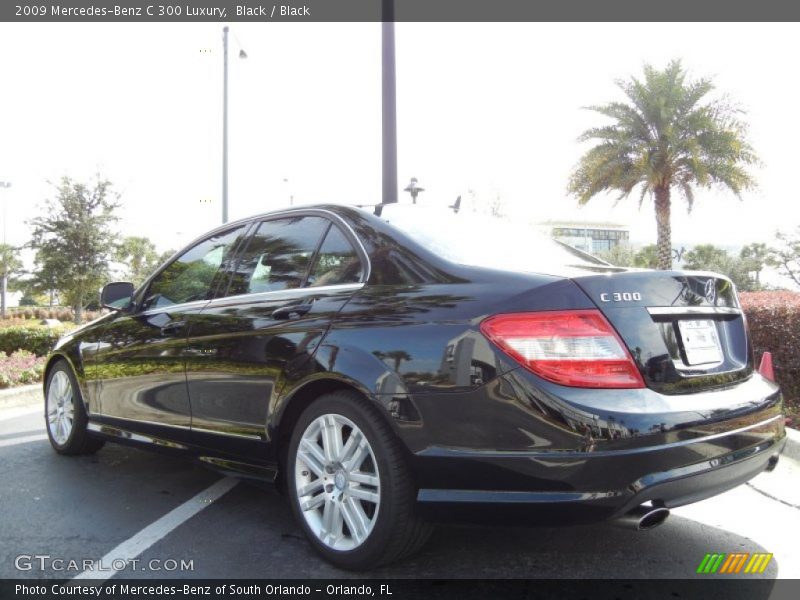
[[65, 414], [349, 485]]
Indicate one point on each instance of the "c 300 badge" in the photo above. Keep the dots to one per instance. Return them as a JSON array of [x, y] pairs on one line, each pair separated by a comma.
[[620, 297]]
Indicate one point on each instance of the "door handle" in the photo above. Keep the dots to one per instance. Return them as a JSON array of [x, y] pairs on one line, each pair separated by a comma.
[[291, 311], [173, 328]]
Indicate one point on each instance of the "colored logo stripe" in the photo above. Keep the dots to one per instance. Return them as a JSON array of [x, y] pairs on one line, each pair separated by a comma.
[[710, 563], [733, 563], [740, 564], [758, 564]]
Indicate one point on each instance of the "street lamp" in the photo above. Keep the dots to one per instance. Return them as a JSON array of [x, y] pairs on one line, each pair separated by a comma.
[[289, 191], [388, 105], [4, 185], [242, 54], [4, 284], [413, 189]]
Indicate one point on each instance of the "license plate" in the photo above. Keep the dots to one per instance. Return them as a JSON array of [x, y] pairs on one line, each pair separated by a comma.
[[700, 341]]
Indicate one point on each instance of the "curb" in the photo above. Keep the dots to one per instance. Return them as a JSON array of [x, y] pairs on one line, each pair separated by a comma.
[[25, 395], [792, 447]]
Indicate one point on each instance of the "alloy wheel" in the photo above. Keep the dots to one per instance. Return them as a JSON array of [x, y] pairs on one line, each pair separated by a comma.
[[337, 482], [60, 408]]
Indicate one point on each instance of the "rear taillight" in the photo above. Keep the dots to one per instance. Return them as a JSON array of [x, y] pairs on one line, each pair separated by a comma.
[[577, 348]]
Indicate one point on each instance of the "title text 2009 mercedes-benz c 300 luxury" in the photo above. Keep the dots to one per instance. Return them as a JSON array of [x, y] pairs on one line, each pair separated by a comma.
[[388, 370]]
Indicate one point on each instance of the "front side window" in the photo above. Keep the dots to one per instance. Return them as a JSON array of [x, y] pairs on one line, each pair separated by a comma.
[[196, 273], [278, 255]]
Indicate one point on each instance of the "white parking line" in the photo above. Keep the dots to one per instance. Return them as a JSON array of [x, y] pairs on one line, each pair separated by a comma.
[[20, 411], [131, 548], [23, 439]]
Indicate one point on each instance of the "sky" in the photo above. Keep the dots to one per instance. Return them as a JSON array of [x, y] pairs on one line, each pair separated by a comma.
[[484, 111]]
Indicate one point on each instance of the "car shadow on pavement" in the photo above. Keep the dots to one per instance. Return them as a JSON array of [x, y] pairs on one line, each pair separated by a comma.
[[83, 507], [268, 543]]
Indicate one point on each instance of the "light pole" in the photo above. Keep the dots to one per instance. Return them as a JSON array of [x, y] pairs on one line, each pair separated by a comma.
[[388, 105], [4, 288], [242, 54], [289, 191], [4, 185]]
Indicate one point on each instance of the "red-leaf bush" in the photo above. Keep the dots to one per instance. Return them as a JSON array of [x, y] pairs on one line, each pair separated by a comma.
[[774, 321], [20, 367]]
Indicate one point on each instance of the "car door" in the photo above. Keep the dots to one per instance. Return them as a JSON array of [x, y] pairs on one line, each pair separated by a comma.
[[294, 275], [140, 362]]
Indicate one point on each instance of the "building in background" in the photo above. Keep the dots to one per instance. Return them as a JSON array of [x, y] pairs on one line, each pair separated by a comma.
[[589, 236], [13, 298]]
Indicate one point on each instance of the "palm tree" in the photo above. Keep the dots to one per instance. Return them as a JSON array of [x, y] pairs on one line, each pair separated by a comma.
[[398, 356], [668, 135]]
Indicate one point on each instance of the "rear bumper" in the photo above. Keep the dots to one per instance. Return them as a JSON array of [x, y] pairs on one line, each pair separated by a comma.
[[599, 482], [671, 488], [698, 482]]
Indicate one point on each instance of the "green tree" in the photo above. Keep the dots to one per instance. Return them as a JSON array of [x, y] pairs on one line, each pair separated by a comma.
[[396, 356], [30, 300], [140, 257], [752, 259], [73, 240], [707, 257], [668, 135], [162, 258], [647, 257], [10, 265], [44, 281], [742, 270], [621, 255], [785, 256]]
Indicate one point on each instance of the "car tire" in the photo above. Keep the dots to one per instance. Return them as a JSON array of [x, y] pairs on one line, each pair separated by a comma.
[[65, 415], [354, 498]]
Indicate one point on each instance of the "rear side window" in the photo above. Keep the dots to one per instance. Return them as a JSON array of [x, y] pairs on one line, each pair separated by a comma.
[[195, 274], [278, 255], [483, 241], [337, 262]]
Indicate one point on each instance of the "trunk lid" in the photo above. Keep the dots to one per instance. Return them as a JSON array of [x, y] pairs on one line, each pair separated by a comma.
[[685, 330]]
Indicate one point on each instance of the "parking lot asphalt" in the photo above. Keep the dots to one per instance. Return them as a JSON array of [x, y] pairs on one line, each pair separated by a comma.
[[124, 500]]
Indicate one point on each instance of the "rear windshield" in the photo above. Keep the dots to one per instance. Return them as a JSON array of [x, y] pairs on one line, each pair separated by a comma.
[[484, 241]]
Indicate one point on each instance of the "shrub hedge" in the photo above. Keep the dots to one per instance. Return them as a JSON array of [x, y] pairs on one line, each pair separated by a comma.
[[774, 320], [39, 313], [38, 340]]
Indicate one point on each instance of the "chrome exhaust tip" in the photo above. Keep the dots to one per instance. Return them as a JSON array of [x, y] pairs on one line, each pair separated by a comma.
[[643, 518], [653, 518], [772, 463]]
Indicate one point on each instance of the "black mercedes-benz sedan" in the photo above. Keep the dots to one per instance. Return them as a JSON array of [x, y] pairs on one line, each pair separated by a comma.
[[392, 370]]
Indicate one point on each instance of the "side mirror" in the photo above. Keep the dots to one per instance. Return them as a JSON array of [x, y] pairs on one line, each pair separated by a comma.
[[116, 295]]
